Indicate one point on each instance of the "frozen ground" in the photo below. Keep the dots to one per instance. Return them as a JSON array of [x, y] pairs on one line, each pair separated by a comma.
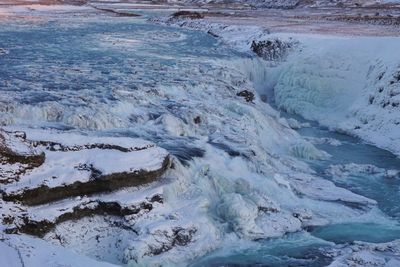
[[243, 186]]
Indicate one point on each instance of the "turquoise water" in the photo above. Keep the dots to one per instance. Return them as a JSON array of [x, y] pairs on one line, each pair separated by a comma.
[[385, 190], [298, 249]]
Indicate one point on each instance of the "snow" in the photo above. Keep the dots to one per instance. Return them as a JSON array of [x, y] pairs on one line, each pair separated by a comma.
[[9, 255], [30, 251]]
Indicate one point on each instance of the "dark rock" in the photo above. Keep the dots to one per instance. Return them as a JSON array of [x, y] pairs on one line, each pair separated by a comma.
[[197, 120], [180, 237], [118, 13], [187, 15], [274, 49], [54, 146], [212, 34], [249, 96], [183, 236]]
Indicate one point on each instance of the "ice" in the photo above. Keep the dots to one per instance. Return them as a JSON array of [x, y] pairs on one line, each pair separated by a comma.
[[348, 84], [306, 150], [357, 169]]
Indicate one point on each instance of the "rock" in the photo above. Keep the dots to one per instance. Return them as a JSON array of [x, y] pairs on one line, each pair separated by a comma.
[[274, 49], [197, 120], [14, 148], [187, 15], [365, 254], [302, 214], [159, 240], [17, 156], [249, 96], [91, 165], [41, 226]]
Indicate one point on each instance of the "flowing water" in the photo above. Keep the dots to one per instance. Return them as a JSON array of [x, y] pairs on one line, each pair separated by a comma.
[[126, 77]]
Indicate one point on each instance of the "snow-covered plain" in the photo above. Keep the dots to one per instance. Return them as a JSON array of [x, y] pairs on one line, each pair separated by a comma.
[[240, 173]]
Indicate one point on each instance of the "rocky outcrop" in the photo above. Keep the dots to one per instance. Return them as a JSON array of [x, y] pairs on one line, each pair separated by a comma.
[[247, 95], [48, 167], [17, 156], [274, 49], [15, 149], [41, 227], [187, 15], [159, 241], [63, 170], [97, 183]]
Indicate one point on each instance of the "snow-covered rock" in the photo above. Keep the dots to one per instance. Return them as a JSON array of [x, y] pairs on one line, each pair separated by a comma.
[[89, 167], [367, 254]]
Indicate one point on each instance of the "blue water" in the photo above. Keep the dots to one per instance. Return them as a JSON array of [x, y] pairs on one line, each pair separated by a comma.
[[47, 59], [79, 66]]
